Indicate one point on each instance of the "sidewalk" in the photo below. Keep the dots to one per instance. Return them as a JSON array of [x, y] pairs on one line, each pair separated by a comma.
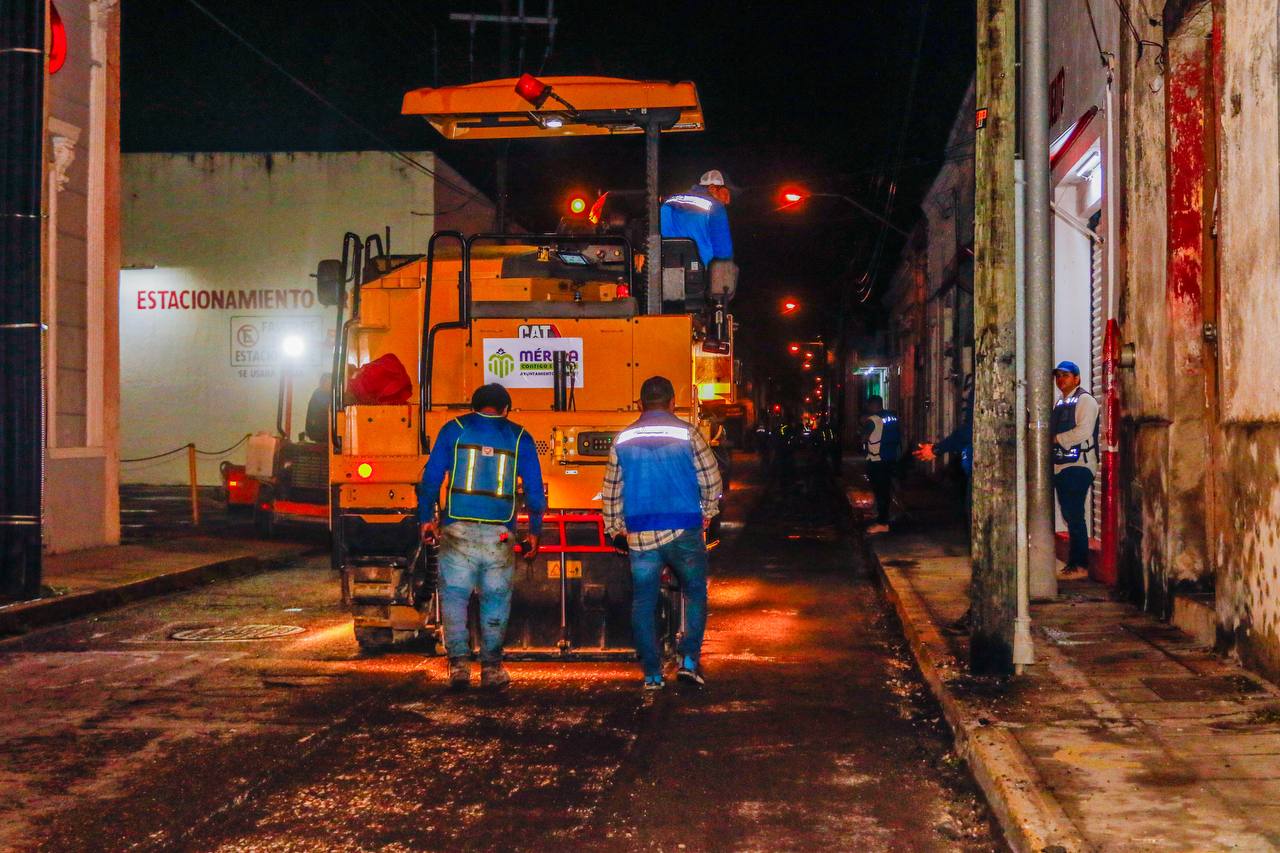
[[97, 579], [1123, 736]]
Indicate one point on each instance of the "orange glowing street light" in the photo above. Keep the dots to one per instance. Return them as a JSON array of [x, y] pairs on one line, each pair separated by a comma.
[[792, 196]]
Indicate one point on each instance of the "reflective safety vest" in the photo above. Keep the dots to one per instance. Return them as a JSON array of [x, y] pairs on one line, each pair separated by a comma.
[[885, 442], [659, 475], [482, 482], [1064, 420]]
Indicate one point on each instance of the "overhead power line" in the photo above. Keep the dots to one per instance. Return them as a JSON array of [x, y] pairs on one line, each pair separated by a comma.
[[387, 147]]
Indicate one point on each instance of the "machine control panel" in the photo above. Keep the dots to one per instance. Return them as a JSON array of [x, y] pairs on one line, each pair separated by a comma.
[[595, 443]]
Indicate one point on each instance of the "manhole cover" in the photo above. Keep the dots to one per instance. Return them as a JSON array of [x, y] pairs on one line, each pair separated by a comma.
[[233, 633]]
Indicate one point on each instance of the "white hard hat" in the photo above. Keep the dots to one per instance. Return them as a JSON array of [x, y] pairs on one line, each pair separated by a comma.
[[713, 178]]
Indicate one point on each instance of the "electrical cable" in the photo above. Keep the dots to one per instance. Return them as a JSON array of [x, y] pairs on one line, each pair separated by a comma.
[[867, 283], [388, 148], [1093, 25], [1137, 36]]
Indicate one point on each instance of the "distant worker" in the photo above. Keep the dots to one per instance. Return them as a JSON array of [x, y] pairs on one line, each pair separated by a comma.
[[661, 490], [883, 439], [483, 453], [699, 214], [318, 410], [959, 441], [1075, 460]]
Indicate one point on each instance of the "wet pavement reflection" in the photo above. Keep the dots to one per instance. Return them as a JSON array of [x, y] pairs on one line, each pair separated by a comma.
[[814, 732]]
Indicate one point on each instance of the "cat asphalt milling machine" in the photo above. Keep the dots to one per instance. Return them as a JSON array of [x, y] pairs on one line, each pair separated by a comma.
[[567, 322]]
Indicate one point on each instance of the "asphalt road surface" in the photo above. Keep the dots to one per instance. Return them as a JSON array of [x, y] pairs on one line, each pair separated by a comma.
[[814, 733]]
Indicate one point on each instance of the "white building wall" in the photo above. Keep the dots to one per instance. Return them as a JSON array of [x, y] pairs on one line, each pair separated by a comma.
[[218, 253], [82, 203]]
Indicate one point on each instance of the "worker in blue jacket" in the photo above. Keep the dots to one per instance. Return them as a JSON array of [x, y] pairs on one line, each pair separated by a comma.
[[699, 214], [482, 453], [661, 489]]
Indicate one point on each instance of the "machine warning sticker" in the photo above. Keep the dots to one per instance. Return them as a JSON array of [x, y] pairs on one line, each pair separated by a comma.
[[526, 362], [553, 568]]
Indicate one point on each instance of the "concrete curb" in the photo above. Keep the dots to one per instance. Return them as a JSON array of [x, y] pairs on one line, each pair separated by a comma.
[[1032, 820], [29, 615]]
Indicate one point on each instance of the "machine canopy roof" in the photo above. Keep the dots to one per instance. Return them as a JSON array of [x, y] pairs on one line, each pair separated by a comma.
[[601, 105]]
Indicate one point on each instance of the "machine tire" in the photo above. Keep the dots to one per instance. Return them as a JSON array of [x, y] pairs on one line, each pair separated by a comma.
[[373, 640], [429, 644], [264, 519]]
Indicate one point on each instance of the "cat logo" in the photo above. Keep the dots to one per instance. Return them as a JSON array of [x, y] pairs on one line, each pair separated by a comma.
[[538, 330]]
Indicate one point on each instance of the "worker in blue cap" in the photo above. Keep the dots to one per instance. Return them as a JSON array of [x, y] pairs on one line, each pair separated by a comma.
[[1074, 428]]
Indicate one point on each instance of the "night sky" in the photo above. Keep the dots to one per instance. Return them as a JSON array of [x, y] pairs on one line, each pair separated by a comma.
[[814, 93]]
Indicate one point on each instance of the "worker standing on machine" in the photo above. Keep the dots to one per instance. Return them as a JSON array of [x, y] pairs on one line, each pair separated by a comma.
[[482, 453], [699, 214], [661, 489]]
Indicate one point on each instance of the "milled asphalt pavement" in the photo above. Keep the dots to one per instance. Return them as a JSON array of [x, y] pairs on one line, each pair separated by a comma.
[[815, 732]]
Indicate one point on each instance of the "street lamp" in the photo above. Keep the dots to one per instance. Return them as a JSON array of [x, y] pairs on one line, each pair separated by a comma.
[[792, 197]]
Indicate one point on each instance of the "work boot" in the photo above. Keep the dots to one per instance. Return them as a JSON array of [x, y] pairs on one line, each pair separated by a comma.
[[690, 673], [459, 673], [493, 676]]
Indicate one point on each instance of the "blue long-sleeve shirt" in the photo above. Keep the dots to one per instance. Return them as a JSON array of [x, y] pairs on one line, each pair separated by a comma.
[[441, 461], [959, 441], [699, 217]]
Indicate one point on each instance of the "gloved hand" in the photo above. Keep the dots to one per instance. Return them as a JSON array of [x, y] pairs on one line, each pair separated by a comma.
[[429, 533], [619, 543]]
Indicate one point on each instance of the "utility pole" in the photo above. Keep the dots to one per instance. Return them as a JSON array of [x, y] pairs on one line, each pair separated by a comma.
[[995, 516], [1039, 307], [22, 87], [505, 19]]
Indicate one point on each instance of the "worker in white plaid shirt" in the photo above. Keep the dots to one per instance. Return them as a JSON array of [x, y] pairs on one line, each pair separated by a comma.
[[661, 490]]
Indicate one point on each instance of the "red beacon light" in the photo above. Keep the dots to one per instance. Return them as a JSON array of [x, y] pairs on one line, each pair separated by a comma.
[[533, 90], [578, 205], [794, 348]]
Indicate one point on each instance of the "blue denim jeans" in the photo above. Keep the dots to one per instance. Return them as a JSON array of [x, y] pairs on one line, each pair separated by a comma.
[[473, 557], [687, 557]]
